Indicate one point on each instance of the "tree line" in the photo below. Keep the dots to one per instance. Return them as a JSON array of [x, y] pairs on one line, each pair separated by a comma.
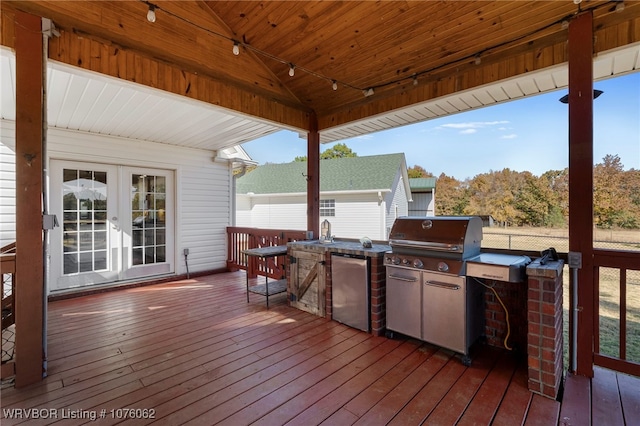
[[523, 199]]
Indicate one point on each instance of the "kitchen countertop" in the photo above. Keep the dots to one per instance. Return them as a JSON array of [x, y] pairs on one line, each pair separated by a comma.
[[353, 247]]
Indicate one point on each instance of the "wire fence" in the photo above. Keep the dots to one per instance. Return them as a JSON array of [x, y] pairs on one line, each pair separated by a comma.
[[539, 242], [609, 283]]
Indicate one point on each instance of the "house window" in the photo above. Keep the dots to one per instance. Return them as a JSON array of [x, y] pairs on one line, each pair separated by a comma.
[[328, 208]]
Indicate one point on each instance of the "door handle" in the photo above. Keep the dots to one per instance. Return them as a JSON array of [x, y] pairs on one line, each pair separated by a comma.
[[442, 285], [399, 278]]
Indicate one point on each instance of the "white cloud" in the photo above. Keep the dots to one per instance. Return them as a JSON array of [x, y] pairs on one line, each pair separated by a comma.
[[468, 131], [473, 124], [511, 136]]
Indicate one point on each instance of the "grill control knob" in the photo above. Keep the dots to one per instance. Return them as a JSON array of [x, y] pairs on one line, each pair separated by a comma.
[[395, 260], [443, 267], [406, 262], [417, 263]]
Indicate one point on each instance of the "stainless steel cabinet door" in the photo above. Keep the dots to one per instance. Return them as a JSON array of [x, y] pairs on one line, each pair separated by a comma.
[[443, 314], [350, 291], [404, 301]]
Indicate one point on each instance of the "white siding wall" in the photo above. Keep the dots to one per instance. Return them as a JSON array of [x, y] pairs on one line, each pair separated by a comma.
[[7, 183], [203, 208], [422, 204], [273, 212], [243, 211], [357, 215], [398, 204]]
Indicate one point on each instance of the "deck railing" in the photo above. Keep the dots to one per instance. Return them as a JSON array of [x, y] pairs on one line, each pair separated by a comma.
[[8, 293], [240, 238], [625, 266]]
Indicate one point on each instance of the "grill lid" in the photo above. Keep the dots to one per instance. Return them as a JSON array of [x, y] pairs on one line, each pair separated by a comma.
[[460, 235]]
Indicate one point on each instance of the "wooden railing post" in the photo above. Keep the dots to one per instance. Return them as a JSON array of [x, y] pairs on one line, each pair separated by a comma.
[[252, 261], [239, 239], [8, 267]]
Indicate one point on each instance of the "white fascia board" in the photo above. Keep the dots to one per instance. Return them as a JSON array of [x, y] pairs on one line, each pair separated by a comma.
[[297, 194]]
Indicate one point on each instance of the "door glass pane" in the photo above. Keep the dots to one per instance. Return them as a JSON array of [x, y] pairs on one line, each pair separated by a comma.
[[85, 220], [148, 195]]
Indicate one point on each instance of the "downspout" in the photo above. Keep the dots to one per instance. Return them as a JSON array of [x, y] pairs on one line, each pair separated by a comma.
[[234, 182], [46, 256], [48, 30]]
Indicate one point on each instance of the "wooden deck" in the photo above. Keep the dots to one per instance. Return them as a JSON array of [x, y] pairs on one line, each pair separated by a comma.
[[194, 352]]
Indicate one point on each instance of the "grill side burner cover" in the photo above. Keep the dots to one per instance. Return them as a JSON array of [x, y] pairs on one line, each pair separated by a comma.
[[461, 235], [498, 267]]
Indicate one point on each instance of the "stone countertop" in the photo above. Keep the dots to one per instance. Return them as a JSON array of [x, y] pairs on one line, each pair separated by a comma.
[[342, 246]]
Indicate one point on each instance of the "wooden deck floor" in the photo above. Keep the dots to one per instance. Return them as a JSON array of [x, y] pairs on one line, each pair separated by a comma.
[[194, 352]]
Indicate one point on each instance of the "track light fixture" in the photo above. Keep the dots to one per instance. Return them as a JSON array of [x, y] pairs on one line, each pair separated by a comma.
[[367, 92], [236, 48], [477, 60], [292, 70], [334, 85], [151, 14], [415, 79], [620, 6], [596, 94]]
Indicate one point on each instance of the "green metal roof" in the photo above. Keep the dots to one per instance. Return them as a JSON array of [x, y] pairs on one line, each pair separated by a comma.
[[418, 184], [339, 174]]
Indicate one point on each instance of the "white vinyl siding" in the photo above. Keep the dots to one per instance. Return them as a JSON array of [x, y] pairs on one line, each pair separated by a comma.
[[273, 212], [357, 215], [422, 204], [398, 205], [202, 191], [7, 183]]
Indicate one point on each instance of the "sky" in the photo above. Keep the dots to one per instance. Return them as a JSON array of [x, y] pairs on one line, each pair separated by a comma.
[[529, 134]]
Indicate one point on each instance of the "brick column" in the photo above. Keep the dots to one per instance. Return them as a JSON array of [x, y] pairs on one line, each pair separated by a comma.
[[544, 337], [377, 296]]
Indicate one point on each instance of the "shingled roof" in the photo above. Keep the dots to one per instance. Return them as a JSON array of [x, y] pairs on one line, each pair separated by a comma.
[[422, 184], [376, 172]]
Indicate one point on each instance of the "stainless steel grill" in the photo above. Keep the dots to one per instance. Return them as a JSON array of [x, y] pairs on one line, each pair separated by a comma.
[[439, 243], [428, 295]]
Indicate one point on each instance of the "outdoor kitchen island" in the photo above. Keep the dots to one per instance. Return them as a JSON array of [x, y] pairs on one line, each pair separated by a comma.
[[310, 277]]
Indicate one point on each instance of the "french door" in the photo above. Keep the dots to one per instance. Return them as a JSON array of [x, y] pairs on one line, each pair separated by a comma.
[[116, 223]]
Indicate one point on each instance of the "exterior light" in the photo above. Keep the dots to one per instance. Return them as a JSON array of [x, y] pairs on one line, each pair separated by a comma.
[[151, 14], [596, 93]]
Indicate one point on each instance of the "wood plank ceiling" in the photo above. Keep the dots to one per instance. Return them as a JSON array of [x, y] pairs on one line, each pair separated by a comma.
[[420, 58]]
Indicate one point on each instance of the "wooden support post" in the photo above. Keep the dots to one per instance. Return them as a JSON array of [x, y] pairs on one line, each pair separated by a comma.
[[30, 291], [313, 177], [581, 179]]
